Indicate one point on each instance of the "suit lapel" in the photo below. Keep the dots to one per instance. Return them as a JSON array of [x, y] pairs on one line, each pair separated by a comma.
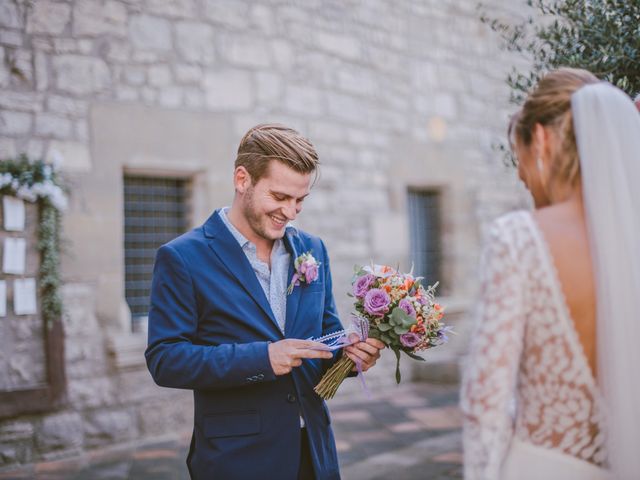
[[227, 249], [292, 244]]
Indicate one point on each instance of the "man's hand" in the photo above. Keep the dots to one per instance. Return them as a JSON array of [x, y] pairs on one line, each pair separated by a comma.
[[366, 353], [284, 355]]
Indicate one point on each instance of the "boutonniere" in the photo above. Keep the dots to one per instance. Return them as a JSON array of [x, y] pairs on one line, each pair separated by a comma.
[[306, 270]]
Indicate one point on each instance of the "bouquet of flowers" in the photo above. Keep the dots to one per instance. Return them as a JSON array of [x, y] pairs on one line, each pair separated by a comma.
[[400, 312]]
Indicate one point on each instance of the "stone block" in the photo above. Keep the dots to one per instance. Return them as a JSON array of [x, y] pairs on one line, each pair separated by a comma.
[[171, 97], [41, 65], [103, 427], [118, 50], [61, 431], [269, 89], [91, 393], [48, 17], [304, 100], [159, 76], [99, 17], [194, 98], [262, 19], [174, 8], [65, 105], [81, 75], [81, 129], [7, 148], [127, 94], [15, 123], [79, 316], [188, 73], [229, 90], [233, 14], [23, 101], [10, 38], [195, 42], [150, 33], [357, 80], [10, 15], [5, 73], [50, 125], [16, 430], [170, 412], [85, 357], [22, 65], [244, 51], [341, 45], [35, 148], [283, 54], [347, 108], [135, 76]]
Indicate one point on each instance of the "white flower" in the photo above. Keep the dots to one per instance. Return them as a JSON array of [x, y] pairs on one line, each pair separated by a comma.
[[26, 193]]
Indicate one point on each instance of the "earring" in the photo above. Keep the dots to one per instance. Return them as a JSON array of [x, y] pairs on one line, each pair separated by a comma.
[[539, 164]]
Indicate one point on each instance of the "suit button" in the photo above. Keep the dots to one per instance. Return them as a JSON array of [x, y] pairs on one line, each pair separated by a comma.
[[291, 398]]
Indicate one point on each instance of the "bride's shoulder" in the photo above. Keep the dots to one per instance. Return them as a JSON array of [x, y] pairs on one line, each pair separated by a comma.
[[509, 223]]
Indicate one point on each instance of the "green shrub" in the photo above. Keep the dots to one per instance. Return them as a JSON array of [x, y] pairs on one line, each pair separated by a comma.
[[602, 36]]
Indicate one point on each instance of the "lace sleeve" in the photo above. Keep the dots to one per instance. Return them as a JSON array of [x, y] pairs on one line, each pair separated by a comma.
[[489, 380]]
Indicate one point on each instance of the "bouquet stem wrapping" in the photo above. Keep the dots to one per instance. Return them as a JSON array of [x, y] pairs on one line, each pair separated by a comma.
[[334, 377]]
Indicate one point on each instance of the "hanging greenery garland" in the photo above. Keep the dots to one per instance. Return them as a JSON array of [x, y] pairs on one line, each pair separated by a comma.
[[38, 182]]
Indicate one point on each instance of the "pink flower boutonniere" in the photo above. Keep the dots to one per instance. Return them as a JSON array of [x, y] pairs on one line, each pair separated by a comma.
[[306, 270]]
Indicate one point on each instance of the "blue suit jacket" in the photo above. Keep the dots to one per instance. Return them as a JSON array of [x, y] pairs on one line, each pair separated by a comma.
[[209, 327]]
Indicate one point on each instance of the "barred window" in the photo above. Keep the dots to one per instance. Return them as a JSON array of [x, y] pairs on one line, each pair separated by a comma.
[[155, 211], [424, 226]]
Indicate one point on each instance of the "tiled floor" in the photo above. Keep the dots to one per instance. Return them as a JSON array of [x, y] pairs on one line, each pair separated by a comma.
[[407, 432]]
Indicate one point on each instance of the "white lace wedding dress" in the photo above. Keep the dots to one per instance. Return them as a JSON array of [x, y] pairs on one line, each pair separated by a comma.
[[532, 407]]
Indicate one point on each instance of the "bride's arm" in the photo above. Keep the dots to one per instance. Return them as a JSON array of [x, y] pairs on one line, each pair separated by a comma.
[[489, 380]]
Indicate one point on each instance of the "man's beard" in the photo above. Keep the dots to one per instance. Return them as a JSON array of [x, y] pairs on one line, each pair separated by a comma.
[[254, 218]]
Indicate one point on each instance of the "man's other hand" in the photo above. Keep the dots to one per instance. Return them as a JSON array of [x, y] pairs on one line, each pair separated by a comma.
[[284, 355]]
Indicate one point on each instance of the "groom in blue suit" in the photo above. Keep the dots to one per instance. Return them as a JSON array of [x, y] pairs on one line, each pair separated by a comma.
[[222, 323]]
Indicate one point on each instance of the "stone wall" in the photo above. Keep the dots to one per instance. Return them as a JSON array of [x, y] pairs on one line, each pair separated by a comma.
[[393, 94]]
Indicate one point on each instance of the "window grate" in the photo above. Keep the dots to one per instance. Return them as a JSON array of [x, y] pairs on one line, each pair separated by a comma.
[[424, 225], [155, 212]]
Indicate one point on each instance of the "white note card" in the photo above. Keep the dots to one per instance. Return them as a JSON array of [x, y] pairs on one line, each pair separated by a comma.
[[3, 298], [13, 258], [14, 213], [24, 296]]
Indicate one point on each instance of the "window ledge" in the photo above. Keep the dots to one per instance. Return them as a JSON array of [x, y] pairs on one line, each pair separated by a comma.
[[127, 350]]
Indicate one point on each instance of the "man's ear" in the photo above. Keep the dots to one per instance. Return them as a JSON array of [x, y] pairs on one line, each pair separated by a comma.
[[241, 179]]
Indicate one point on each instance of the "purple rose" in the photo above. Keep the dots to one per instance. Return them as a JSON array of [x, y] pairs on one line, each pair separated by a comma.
[[423, 301], [376, 302], [407, 307], [362, 284], [310, 272], [409, 339]]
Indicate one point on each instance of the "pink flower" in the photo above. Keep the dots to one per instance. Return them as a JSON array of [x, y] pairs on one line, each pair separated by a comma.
[[407, 306], [376, 302], [409, 339], [362, 284], [306, 270], [310, 271]]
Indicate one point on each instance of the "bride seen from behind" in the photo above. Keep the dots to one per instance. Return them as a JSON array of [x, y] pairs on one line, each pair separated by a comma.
[[551, 388]]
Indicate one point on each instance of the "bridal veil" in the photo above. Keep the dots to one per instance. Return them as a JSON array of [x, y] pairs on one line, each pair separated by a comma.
[[607, 129]]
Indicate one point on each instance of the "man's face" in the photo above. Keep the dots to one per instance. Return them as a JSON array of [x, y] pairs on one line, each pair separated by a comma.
[[275, 200]]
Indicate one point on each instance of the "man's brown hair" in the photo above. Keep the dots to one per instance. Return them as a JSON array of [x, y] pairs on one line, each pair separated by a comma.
[[271, 141]]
